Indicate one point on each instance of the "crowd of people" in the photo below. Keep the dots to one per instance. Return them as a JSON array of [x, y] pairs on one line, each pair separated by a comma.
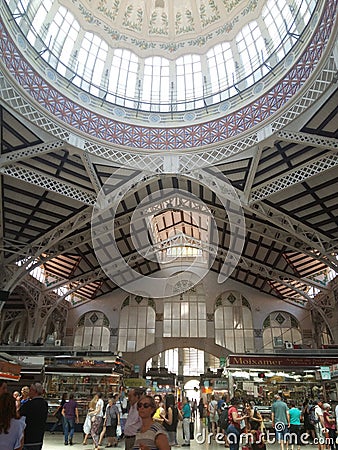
[[148, 421]]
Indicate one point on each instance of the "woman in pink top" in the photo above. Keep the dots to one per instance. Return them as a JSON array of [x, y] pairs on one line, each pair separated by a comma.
[[330, 426]]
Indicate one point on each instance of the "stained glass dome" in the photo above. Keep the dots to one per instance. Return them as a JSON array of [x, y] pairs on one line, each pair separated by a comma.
[[165, 61]]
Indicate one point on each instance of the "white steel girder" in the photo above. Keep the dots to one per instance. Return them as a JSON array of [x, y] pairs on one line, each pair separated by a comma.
[[293, 177], [51, 238], [81, 280], [91, 171], [49, 182], [30, 152], [312, 140], [44, 244]]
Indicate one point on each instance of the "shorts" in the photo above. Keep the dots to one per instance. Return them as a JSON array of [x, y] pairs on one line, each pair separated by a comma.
[[281, 433]]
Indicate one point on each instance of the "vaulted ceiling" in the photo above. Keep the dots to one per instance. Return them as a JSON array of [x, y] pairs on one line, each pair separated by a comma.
[[49, 189], [273, 155]]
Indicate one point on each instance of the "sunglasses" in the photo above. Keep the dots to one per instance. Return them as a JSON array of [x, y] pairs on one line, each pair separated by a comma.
[[143, 405]]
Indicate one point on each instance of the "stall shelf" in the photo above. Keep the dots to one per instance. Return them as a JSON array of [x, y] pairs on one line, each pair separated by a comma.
[[82, 378]]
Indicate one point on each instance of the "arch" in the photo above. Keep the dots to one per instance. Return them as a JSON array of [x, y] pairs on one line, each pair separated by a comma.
[[137, 323], [92, 331], [160, 345], [233, 322], [280, 327]]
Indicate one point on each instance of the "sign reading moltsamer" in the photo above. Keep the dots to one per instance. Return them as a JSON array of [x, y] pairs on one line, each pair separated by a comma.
[[280, 361]]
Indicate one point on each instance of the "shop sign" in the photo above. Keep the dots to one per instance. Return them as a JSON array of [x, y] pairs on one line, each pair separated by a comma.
[[135, 382], [325, 373], [280, 361], [220, 383], [9, 371]]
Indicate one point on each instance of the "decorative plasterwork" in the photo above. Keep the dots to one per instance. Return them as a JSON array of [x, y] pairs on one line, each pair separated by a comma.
[[200, 136], [165, 27]]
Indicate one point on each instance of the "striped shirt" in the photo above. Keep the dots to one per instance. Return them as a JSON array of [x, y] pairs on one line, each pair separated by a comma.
[[148, 437]]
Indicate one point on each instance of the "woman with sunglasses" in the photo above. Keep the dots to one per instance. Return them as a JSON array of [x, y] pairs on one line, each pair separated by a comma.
[[151, 435]]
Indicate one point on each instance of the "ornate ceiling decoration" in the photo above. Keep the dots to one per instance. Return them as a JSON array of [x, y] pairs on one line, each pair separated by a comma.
[[165, 26]]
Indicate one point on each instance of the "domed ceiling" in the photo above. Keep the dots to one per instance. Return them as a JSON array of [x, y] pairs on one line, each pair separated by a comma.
[[163, 26]]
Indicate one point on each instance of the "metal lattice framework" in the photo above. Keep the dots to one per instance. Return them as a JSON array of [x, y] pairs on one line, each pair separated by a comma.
[[282, 167]]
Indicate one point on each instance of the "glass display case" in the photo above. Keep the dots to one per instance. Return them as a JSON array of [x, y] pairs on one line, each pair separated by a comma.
[[83, 378], [84, 386]]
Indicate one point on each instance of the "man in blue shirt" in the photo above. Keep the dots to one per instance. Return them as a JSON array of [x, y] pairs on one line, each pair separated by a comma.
[[280, 419], [186, 413]]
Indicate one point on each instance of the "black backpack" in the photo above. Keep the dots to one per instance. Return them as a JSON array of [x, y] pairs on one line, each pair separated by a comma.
[[313, 419], [223, 418]]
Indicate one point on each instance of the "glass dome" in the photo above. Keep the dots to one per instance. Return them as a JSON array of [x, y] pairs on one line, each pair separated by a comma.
[[166, 57]]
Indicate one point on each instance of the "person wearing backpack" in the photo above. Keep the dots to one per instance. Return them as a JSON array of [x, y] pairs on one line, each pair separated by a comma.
[[308, 427], [224, 422]]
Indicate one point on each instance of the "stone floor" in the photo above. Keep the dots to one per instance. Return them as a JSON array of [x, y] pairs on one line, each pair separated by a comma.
[[201, 441]]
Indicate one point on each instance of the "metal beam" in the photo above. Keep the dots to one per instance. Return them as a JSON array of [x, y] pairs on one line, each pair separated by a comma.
[[96, 183], [50, 183], [293, 177], [30, 152], [51, 238], [313, 140], [315, 240]]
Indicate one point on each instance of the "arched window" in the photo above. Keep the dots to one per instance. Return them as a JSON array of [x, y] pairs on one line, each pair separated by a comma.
[[155, 87], [233, 323], [280, 327], [222, 68], [189, 81], [92, 331], [92, 56], [64, 30], [158, 83], [185, 315], [252, 52], [123, 78], [137, 324]]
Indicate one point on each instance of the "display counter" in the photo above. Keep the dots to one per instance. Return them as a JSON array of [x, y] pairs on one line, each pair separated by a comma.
[[82, 378]]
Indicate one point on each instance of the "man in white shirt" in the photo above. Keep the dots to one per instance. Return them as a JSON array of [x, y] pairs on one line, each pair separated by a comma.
[[320, 426], [133, 422], [336, 415]]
